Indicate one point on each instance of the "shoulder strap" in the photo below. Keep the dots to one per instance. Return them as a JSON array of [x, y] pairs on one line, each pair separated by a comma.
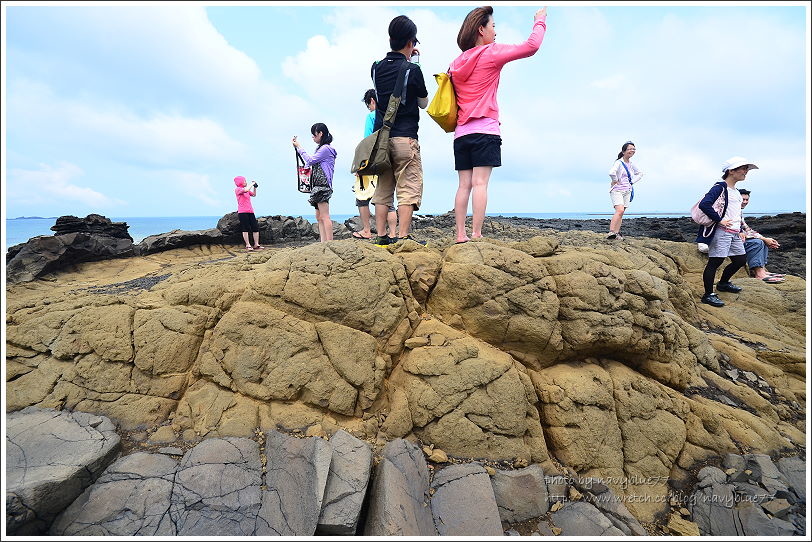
[[629, 175], [395, 97]]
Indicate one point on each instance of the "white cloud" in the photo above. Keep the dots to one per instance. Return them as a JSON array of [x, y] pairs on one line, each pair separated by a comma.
[[159, 138], [48, 183], [196, 186], [159, 92], [613, 82]]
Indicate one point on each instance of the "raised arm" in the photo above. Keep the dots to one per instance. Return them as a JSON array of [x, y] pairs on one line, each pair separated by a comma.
[[320, 155], [504, 53]]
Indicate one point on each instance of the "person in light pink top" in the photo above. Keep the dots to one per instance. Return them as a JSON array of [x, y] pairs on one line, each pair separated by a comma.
[[477, 139], [245, 211]]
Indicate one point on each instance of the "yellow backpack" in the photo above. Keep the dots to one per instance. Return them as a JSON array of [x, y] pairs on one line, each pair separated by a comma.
[[443, 107]]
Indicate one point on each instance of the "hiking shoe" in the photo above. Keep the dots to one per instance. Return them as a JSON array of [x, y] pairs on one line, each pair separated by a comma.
[[410, 238], [382, 241], [712, 300], [728, 287], [611, 235]]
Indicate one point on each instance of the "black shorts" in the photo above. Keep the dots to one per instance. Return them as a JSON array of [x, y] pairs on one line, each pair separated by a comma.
[[476, 150], [319, 194], [248, 222]]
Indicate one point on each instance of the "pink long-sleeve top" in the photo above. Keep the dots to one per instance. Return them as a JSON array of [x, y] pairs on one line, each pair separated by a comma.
[[475, 76]]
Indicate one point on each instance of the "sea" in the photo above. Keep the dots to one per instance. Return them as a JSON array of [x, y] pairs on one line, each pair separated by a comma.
[[21, 229]]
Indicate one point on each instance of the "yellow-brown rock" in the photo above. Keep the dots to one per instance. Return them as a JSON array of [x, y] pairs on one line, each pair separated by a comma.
[[560, 349]]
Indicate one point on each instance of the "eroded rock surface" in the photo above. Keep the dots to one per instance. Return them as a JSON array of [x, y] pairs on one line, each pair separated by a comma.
[[558, 348]]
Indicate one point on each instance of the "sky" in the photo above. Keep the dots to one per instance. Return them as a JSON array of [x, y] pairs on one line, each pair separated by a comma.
[[151, 109]]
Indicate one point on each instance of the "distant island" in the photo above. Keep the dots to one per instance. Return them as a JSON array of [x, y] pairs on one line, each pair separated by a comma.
[[34, 218]]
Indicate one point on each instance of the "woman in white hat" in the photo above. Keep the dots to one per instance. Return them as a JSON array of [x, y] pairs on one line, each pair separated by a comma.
[[723, 205]]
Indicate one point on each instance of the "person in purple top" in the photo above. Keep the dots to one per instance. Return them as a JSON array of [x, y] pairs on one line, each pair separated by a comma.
[[323, 163]]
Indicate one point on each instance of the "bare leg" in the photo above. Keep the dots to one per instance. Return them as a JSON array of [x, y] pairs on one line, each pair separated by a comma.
[[380, 218], [405, 219], [614, 224], [256, 239], [461, 203], [363, 212], [325, 223], [318, 221], [479, 198], [245, 236], [392, 221]]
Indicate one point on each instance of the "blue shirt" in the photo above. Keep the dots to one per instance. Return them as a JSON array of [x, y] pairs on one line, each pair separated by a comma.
[[370, 125]]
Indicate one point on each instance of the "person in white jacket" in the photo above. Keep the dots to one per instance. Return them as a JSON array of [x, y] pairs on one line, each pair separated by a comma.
[[623, 174]]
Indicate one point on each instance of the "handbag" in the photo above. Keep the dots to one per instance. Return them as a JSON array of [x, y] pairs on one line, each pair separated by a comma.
[[303, 174], [372, 153], [720, 206], [364, 186], [443, 107]]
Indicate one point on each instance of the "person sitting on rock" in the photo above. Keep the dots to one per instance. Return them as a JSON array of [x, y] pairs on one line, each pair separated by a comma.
[[757, 248]]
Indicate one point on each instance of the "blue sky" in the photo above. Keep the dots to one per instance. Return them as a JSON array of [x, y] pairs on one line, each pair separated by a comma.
[[151, 109]]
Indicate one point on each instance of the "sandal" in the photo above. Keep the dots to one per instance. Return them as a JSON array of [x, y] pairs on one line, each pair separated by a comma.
[[249, 248], [357, 235], [773, 280], [259, 247]]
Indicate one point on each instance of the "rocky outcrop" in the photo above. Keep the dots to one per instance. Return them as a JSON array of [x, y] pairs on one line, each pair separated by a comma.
[[52, 457], [96, 238], [554, 350], [178, 239], [751, 497], [92, 224], [277, 229], [37, 259], [280, 483], [76, 240]]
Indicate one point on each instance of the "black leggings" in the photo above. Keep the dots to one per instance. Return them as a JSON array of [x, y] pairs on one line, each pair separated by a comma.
[[736, 263]]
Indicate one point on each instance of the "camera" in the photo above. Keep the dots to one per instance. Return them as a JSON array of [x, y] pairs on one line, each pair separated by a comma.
[[255, 184]]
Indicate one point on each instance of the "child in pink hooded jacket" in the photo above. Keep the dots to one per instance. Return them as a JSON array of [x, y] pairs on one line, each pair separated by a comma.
[[477, 139], [245, 211]]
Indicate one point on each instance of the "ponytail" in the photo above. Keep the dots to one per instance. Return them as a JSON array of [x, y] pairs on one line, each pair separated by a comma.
[[326, 136]]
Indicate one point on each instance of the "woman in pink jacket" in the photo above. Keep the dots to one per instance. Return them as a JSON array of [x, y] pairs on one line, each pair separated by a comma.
[[475, 76]]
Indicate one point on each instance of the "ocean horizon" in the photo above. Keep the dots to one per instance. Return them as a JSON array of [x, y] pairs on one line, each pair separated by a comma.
[[21, 229]]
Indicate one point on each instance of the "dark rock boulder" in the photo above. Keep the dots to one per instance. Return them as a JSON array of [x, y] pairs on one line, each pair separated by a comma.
[[76, 240], [178, 239], [91, 224], [277, 229], [46, 253]]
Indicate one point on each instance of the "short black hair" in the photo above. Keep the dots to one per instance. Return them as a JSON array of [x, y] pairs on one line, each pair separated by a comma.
[[744, 192], [402, 30], [369, 96]]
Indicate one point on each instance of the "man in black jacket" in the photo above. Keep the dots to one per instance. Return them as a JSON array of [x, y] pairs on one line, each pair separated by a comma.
[[406, 177]]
